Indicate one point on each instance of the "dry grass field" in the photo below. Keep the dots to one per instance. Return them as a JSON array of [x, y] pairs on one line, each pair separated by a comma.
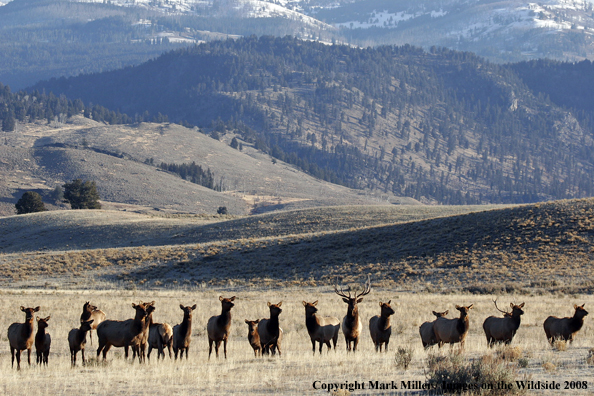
[[420, 258], [529, 358]]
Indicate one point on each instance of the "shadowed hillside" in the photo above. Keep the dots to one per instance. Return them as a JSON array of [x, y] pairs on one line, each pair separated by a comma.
[[529, 247]]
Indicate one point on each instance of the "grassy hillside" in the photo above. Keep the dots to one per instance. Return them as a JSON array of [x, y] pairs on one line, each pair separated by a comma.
[[534, 247], [39, 157]]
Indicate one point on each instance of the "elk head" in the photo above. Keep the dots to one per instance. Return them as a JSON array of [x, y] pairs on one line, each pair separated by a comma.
[[227, 303], [580, 312], [310, 308], [352, 301], [29, 312], [42, 322], [387, 310]]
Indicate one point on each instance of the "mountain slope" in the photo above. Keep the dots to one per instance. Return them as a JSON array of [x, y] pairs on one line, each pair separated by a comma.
[[440, 127]]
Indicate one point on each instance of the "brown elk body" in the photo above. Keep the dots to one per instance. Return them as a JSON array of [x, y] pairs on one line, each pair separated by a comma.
[[127, 333], [77, 340], [21, 336], [426, 330], [503, 329], [565, 328], [320, 329], [182, 333], [218, 326], [160, 335], [380, 328], [451, 331], [90, 312], [253, 336], [351, 323], [43, 341], [270, 332]]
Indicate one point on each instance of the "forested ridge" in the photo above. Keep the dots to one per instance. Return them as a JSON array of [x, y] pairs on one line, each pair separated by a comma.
[[440, 126]]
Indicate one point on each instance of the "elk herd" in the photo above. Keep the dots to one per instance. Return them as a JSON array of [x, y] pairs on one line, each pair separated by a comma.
[[265, 335]]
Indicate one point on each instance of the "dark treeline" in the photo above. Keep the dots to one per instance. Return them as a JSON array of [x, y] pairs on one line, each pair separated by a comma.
[[442, 125], [195, 174]]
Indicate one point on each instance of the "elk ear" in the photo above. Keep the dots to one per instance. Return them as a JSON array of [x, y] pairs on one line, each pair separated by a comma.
[[247, 321], [133, 305], [435, 313], [359, 300], [269, 303], [193, 308], [181, 307], [232, 298], [446, 312], [22, 308], [575, 306], [90, 321], [38, 319], [346, 300], [521, 305], [583, 305], [221, 298], [48, 318], [470, 306], [257, 321], [314, 303], [37, 309], [457, 307], [279, 304], [389, 302], [304, 303], [381, 303]]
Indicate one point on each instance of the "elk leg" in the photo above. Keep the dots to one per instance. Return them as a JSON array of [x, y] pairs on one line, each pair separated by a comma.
[[82, 352], [355, 342], [72, 358], [18, 358], [12, 353], [187, 350], [386, 347], [91, 336], [313, 347], [217, 345], [150, 349], [105, 351], [29, 356], [169, 349], [328, 345], [175, 352], [225, 347], [210, 342]]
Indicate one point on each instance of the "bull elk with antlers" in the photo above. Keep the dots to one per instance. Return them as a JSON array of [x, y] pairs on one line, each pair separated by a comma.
[[351, 323], [426, 330], [565, 328], [452, 331], [503, 329], [320, 329]]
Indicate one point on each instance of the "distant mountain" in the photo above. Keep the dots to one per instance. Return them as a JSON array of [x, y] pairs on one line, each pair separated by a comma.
[[440, 126]]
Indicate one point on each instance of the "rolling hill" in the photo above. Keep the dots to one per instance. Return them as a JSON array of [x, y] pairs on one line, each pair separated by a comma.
[[530, 248]]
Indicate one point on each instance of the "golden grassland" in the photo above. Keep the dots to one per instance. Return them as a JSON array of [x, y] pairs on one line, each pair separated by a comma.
[[529, 357]]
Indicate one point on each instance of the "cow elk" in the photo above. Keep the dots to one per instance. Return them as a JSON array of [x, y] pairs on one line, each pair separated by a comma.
[[565, 328], [160, 336], [351, 323], [90, 312], [182, 333], [380, 328], [253, 336], [127, 333], [426, 330], [452, 331], [21, 336], [270, 332], [43, 341], [218, 326], [320, 329], [77, 340], [503, 329]]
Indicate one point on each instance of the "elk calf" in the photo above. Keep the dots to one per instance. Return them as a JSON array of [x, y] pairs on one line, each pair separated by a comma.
[[218, 326], [21, 336], [380, 328], [426, 330], [452, 331], [565, 328], [90, 312], [77, 340], [253, 336], [320, 329], [182, 333], [160, 335], [270, 332], [503, 329], [43, 341], [351, 323]]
